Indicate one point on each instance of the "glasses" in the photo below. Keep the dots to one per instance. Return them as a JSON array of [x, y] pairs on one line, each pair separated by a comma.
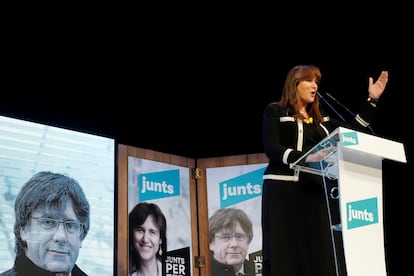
[[228, 237], [49, 224]]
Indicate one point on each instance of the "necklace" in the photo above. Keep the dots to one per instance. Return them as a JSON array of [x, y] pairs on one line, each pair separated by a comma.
[[307, 119]]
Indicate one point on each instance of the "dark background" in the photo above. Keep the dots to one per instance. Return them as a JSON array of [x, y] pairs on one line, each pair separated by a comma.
[[196, 86]]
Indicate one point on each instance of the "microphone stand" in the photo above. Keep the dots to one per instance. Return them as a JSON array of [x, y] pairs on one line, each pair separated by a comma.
[[347, 109], [341, 105], [331, 107]]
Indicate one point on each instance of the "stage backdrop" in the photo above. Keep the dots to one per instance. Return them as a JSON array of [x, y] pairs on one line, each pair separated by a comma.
[[27, 148]]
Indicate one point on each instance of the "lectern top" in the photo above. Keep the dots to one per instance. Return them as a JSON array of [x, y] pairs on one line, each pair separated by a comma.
[[353, 140]]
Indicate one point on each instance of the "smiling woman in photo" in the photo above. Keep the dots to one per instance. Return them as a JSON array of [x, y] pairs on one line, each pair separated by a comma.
[[147, 240]]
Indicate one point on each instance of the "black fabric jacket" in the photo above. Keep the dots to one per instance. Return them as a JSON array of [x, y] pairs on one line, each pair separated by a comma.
[[220, 269], [23, 266], [281, 133]]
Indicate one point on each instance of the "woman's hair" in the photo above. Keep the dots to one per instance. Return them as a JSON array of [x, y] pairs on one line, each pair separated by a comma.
[[48, 190], [226, 218], [290, 97], [137, 217]]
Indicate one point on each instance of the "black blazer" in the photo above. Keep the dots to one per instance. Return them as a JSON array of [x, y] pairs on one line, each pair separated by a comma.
[[23, 266]]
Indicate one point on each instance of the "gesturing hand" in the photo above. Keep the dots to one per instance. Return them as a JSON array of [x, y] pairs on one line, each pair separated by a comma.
[[375, 89]]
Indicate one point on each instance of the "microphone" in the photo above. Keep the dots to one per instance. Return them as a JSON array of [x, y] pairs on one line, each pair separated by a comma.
[[331, 107]]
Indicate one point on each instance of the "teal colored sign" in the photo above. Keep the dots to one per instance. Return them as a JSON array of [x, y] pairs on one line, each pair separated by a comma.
[[362, 213], [157, 185], [349, 139], [241, 188]]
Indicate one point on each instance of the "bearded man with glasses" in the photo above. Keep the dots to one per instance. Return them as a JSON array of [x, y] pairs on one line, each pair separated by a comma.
[[52, 220], [230, 233]]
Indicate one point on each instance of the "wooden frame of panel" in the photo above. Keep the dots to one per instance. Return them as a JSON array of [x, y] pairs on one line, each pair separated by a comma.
[[203, 164], [124, 152]]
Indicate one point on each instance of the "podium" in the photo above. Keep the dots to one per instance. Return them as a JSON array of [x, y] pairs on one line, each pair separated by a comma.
[[354, 160]]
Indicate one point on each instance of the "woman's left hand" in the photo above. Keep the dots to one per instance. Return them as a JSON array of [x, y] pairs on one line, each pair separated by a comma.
[[375, 89]]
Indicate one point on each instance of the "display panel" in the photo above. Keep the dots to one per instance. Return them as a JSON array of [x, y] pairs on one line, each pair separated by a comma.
[[27, 148], [238, 190], [168, 187]]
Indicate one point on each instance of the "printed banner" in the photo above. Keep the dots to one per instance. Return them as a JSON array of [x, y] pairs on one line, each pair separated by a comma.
[[238, 187], [167, 186]]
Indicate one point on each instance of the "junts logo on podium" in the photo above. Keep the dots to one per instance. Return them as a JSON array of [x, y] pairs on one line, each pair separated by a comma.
[[349, 139], [361, 213]]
